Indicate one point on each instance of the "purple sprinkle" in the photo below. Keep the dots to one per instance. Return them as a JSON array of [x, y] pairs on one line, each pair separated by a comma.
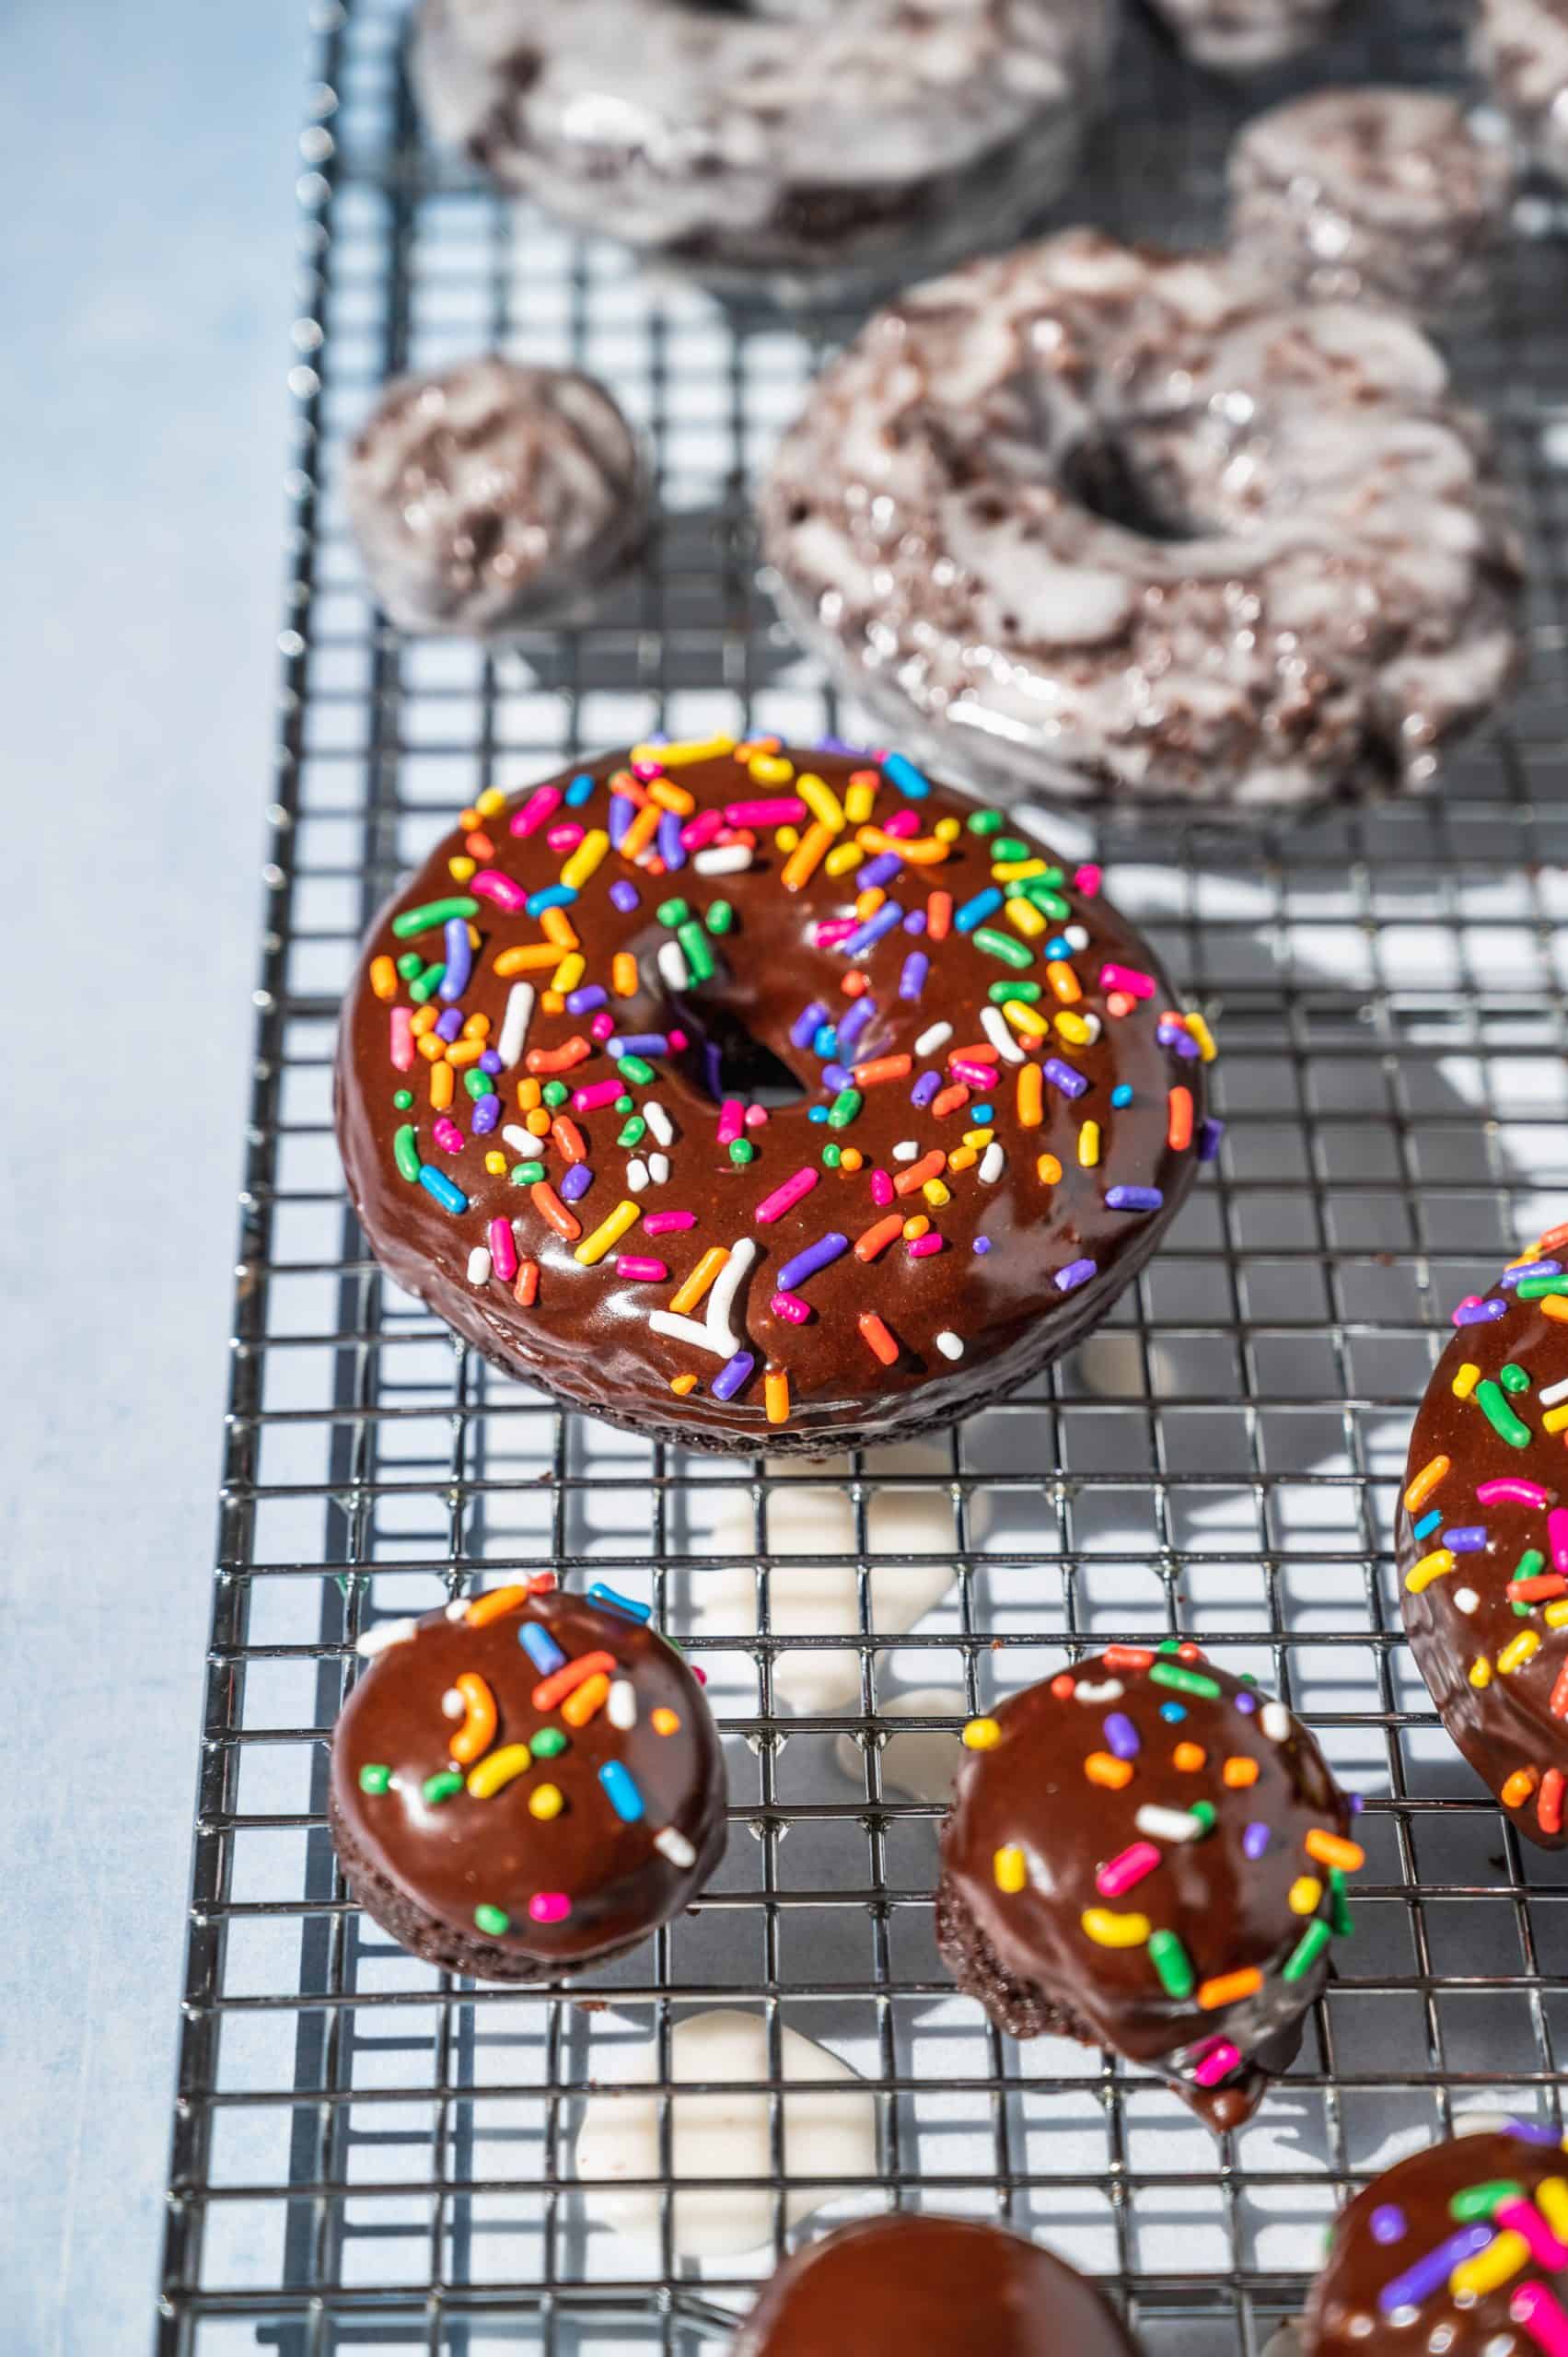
[[1186, 1047], [732, 1374], [1121, 1736], [576, 1182], [1076, 1272], [880, 870], [912, 981], [1255, 1841], [1530, 2131], [860, 1016], [926, 1088], [1209, 1137], [1388, 2223], [625, 896], [1531, 1269], [671, 849], [449, 1025], [1479, 1313], [637, 1043], [820, 1255], [1062, 1076], [803, 1031], [915, 921], [864, 936], [490, 1062], [622, 813], [1122, 1199], [1247, 1703], [486, 1113], [1429, 2274], [983, 1244], [584, 1001], [1466, 1538], [837, 1076], [1356, 1802], [460, 960], [836, 745]]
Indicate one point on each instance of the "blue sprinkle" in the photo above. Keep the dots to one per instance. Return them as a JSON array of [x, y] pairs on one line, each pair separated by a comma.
[[554, 896], [975, 911], [613, 1601], [905, 777], [824, 1041], [1121, 1094], [435, 1182], [982, 1112], [624, 1797], [1173, 1712], [1255, 1841], [541, 1648], [1058, 948], [577, 793], [1428, 1524], [818, 1114]]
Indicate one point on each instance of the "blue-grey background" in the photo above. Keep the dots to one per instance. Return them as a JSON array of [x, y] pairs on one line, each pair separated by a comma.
[[148, 157]]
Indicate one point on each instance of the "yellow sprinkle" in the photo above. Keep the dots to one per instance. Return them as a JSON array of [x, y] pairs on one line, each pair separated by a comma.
[[822, 801], [570, 973], [1431, 1567], [860, 800], [495, 1163], [1010, 1868], [769, 769], [948, 830], [1480, 1672], [982, 1735], [916, 1227], [1306, 1892], [682, 1384], [1519, 1650], [775, 1395], [1465, 1382], [1088, 1146], [678, 756], [536, 1123], [491, 802], [1013, 871], [608, 1232], [512, 1759], [1425, 1481], [787, 838], [575, 871], [1554, 1420], [1108, 1930], [473, 935], [963, 1157], [1028, 920], [715, 1259], [1491, 2268], [545, 1802], [936, 1193], [441, 1082], [1556, 1615], [1198, 1029], [979, 1137], [665, 1721], [1551, 2200], [1048, 1169], [461, 867], [1024, 1018], [1072, 1028], [842, 857]]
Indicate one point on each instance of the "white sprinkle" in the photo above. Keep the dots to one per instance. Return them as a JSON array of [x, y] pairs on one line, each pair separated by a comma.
[[621, 1706], [932, 1038], [1274, 1720], [905, 1150], [514, 1023], [673, 966], [391, 1633], [452, 1703], [479, 1265], [1549, 1398], [1169, 1824], [993, 1023], [1465, 1600], [726, 1284], [636, 1174], [948, 1343], [687, 1330], [993, 1162], [1076, 936], [520, 1140], [658, 1120], [675, 1847], [1090, 1022], [1109, 1690], [456, 1609], [658, 1169], [723, 859]]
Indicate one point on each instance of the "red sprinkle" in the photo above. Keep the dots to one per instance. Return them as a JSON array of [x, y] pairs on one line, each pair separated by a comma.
[[879, 1340], [1549, 1805], [1127, 1657]]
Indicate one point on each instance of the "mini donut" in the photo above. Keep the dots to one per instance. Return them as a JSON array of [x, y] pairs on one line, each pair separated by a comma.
[[1147, 1853], [1461, 2247], [526, 1783], [750, 1098], [911, 2284], [1483, 1538], [1245, 36], [1522, 47], [1096, 521], [489, 496], [785, 146], [1384, 194]]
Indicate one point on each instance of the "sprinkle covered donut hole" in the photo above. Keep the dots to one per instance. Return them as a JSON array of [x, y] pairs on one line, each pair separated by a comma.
[[1147, 1853], [527, 1782], [1246, 36], [757, 1098], [1483, 1538], [1522, 48]]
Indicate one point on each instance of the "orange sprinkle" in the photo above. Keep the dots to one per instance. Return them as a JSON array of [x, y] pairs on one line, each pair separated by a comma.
[[551, 1001], [464, 1052], [670, 796], [1523, 1780], [930, 1165], [950, 1099], [529, 959], [866, 903], [715, 1259], [530, 1095], [1189, 1757], [806, 857], [559, 1058], [641, 831], [916, 1227], [551, 1208], [568, 1138], [775, 1395], [979, 1051], [1064, 981], [1552, 1238], [1228, 1988], [556, 926], [623, 974], [383, 978], [682, 1384], [587, 1701], [423, 1019], [880, 1068], [938, 914], [443, 1080], [1178, 1128], [855, 985], [1555, 1304], [1425, 1481], [877, 1238], [1031, 1097], [565, 1680], [467, 819], [432, 1047], [1239, 1772], [1331, 1850], [662, 1721], [490, 1607], [478, 842], [526, 1291], [880, 1340], [1104, 1768], [1048, 1169], [473, 1738], [477, 1028], [921, 851], [852, 1159]]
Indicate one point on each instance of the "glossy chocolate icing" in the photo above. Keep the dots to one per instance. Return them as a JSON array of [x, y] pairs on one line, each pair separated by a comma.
[[1033, 1792], [1465, 1542], [1370, 2297], [588, 1337], [453, 1855], [910, 2285]]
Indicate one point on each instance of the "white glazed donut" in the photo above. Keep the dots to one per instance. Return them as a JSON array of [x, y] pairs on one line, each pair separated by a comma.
[[1522, 46], [1088, 520], [1244, 36]]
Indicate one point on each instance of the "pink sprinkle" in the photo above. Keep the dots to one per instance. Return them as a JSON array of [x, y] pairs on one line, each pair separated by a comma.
[[790, 1306], [491, 885], [1220, 2061], [402, 1038], [1119, 1873], [1119, 1004], [784, 1198], [597, 1093], [881, 1187], [1470, 1301], [665, 1223], [977, 1075], [641, 1269], [921, 1247], [1129, 979], [904, 822], [732, 1113], [1527, 2219], [646, 769], [564, 837], [700, 1675], [1507, 1490], [699, 831], [785, 810], [1535, 2308], [1086, 879], [536, 810], [550, 1907], [503, 1250], [602, 1027], [837, 929], [756, 1117], [1557, 1537], [447, 1133], [676, 1040]]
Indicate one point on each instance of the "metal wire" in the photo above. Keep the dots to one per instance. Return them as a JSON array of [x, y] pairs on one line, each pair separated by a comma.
[[368, 2155]]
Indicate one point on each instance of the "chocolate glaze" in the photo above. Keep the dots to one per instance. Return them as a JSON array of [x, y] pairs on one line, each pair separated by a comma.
[[588, 1337], [1405, 2215], [1460, 1616], [1027, 1954], [910, 2285], [422, 1867]]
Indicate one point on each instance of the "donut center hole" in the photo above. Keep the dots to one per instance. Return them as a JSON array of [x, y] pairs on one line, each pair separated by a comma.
[[724, 1058], [1119, 473]]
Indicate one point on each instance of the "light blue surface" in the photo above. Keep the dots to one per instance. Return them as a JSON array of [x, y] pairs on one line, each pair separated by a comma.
[[150, 154]]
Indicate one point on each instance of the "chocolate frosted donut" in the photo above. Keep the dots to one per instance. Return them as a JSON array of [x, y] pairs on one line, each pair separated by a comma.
[[1092, 520], [1483, 1538], [1243, 36], [915, 2285], [812, 144], [1147, 1853], [1387, 195], [492, 496], [1461, 2248], [526, 1783], [749, 1098], [1522, 47]]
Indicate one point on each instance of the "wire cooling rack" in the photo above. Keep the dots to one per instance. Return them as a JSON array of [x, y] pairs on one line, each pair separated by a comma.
[[368, 2155]]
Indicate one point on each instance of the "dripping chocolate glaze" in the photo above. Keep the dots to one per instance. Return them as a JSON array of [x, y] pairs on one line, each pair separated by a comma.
[[588, 1337]]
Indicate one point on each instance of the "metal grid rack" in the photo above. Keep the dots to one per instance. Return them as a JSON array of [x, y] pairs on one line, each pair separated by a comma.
[[370, 2155]]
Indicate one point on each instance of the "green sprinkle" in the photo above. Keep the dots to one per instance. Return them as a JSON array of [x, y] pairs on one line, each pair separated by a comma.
[[1184, 1680], [635, 1131], [985, 822], [425, 985], [477, 1083], [698, 956], [1340, 1921], [441, 1787], [1536, 1288], [404, 1099], [494, 1920], [405, 1153], [555, 1093], [1480, 2201], [1172, 1963], [1204, 1812], [1036, 891], [547, 1743], [844, 1107], [1000, 993], [672, 913], [831, 1156], [1009, 847], [1530, 1565], [1500, 1416], [1168, 1645], [720, 917], [375, 1778], [410, 964], [527, 1174], [742, 1151], [432, 913], [637, 1069], [1514, 1378], [622, 1104], [1005, 945], [1522, 1612], [1307, 1951]]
